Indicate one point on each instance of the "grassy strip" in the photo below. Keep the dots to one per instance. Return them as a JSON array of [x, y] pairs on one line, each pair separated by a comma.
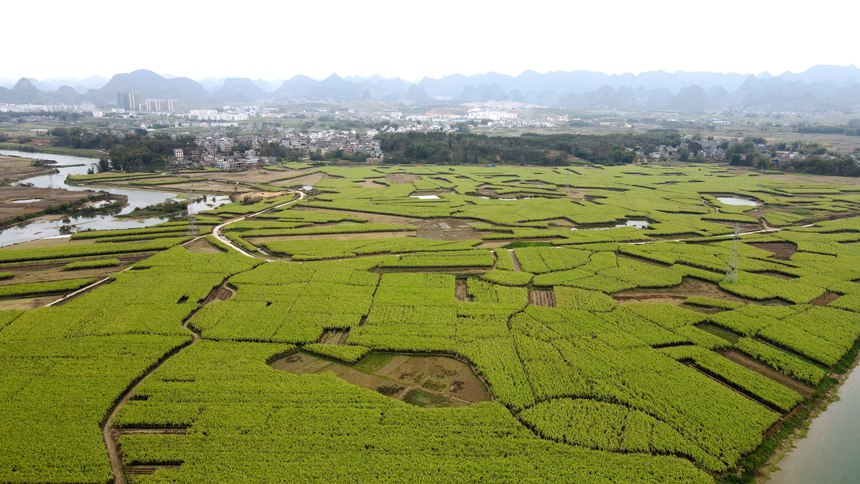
[[514, 245], [346, 353], [49, 287], [91, 264], [66, 252], [97, 234], [52, 150], [6, 275]]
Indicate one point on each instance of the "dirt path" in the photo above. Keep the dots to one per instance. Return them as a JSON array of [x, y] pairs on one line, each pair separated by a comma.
[[216, 231], [517, 266], [110, 436], [767, 371]]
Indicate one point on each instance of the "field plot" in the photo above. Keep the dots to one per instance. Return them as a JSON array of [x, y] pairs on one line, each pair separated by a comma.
[[430, 323]]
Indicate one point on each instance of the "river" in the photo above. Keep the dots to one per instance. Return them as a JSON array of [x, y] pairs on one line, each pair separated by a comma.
[[76, 165], [830, 452]]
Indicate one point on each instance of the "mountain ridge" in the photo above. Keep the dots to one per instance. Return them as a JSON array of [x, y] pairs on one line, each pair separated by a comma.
[[821, 87]]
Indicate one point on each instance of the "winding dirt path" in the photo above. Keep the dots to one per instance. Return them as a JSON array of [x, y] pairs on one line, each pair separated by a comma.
[[216, 231], [110, 436]]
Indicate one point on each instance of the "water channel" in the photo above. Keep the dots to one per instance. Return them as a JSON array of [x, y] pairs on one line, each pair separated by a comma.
[[76, 165]]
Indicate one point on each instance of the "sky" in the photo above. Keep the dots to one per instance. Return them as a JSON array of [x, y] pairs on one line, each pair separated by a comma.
[[278, 40]]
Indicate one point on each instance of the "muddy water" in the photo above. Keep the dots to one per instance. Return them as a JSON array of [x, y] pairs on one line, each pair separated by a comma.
[[830, 452], [76, 165]]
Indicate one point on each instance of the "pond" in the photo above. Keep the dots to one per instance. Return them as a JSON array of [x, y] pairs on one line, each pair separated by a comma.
[[737, 201], [639, 224], [76, 165]]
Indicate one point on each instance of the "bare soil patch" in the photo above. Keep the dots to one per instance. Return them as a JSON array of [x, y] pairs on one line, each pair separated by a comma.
[[778, 275], [220, 293], [461, 290], [402, 177], [780, 250], [767, 371], [517, 266], [202, 246], [689, 287], [542, 297], [423, 380], [354, 236], [15, 168], [446, 229], [826, 298], [370, 217], [202, 186], [334, 337], [309, 179], [42, 199]]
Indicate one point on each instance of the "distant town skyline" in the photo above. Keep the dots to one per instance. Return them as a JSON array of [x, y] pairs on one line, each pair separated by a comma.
[[75, 40]]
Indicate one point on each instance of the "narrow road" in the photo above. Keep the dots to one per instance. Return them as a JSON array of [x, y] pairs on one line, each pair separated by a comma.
[[216, 231]]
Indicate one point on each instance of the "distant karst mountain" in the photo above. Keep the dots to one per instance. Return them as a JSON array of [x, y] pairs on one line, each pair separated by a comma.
[[819, 88]]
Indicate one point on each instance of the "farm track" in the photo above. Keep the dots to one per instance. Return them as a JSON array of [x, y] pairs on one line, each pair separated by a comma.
[[216, 231], [111, 436]]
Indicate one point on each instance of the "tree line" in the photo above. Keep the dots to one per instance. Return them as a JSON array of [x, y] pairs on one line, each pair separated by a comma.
[[528, 149]]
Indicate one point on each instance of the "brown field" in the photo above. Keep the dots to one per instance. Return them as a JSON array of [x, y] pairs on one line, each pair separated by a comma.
[[202, 246], [14, 168], [402, 177], [309, 179], [781, 250], [689, 287], [542, 297], [446, 229], [767, 371], [431, 381], [49, 198], [376, 218]]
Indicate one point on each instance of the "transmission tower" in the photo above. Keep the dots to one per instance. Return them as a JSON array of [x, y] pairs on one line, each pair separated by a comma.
[[734, 257], [192, 222]]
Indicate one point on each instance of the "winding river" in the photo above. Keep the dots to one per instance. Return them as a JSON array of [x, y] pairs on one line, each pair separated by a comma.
[[76, 165]]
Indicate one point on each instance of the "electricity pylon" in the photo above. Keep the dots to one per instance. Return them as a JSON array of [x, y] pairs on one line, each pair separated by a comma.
[[734, 257]]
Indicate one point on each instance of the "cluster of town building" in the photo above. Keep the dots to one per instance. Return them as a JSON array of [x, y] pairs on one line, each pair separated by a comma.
[[239, 152]]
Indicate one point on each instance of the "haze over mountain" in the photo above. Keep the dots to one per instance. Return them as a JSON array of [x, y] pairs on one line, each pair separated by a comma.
[[818, 88]]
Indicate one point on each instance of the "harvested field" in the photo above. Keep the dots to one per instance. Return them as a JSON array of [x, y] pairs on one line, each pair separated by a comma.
[[220, 293], [826, 298], [369, 217], [542, 297], [334, 337], [37, 200], [780, 250], [202, 246], [431, 381], [689, 287], [767, 371], [350, 236], [778, 275], [16, 168], [461, 290], [310, 179], [203, 186], [402, 177], [446, 229], [517, 266]]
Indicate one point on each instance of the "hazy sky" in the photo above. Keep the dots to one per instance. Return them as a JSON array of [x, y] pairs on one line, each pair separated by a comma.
[[277, 40]]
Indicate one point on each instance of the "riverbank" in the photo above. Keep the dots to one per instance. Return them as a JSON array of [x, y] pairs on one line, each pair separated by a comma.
[[53, 150], [791, 446], [760, 465]]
